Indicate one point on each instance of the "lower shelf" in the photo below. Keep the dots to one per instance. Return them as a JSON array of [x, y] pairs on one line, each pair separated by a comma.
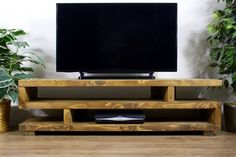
[[45, 124]]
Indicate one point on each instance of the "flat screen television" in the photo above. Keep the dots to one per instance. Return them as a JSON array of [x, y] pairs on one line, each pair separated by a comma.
[[116, 37]]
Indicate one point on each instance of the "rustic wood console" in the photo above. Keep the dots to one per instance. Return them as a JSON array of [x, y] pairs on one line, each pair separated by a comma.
[[162, 98]]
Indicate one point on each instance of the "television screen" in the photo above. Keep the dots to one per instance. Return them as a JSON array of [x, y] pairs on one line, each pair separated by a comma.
[[116, 37]]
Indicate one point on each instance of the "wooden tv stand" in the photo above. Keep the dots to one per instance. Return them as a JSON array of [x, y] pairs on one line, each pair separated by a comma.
[[162, 98]]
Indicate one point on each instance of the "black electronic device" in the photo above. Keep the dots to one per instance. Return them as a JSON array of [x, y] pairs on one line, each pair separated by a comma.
[[116, 37], [119, 117]]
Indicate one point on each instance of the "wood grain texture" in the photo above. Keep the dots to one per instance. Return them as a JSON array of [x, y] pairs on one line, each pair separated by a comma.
[[119, 104], [42, 124], [148, 126], [170, 94], [217, 118], [27, 94], [23, 95], [162, 94], [15, 144], [39, 124], [5, 107], [213, 116], [67, 117], [118, 83]]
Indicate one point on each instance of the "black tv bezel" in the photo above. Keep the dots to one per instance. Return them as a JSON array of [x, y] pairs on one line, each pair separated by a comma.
[[118, 70]]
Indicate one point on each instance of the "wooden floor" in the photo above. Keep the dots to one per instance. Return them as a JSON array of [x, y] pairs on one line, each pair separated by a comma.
[[16, 144]]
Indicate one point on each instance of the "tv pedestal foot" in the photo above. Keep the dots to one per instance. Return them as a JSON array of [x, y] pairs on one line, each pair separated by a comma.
[[136, 76]]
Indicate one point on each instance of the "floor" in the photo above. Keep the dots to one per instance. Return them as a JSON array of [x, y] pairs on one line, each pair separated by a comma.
[[14, 143]]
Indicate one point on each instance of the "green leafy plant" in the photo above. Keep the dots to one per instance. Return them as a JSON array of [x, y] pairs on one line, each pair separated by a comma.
[[13, 62], [222, 41]]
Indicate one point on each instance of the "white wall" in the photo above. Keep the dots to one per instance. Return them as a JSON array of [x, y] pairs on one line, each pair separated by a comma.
[[38, 18]]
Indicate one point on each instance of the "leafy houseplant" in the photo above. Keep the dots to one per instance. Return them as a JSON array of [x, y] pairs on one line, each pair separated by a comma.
[[13, 65], [222, 41]]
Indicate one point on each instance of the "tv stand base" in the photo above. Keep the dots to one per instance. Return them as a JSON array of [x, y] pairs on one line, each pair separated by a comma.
[[162, 99], [116, 76]]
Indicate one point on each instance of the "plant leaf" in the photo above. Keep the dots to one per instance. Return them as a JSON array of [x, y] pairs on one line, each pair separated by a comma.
[[3, 47], [234, 35], [234, 78], [20, 44], [229, 26], [19, 76], [37, 59], [25, 69], [6, 84], [5, 79], [13, 95], [3, 71], [215, 15], [211, 28], [18, 32], [213, 65], [215, 54], [3, 92]]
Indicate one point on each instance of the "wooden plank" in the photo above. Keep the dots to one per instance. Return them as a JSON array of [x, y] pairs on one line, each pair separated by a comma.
[[40, 124], [26, 94], [147, 126], [23, 96], [217, 118], [170, 94], [213, 116], [67, 116], [119, 104], [118, 83]]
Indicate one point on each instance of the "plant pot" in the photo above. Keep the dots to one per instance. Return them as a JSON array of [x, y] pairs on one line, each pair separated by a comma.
[[5, 106], [230, 116]]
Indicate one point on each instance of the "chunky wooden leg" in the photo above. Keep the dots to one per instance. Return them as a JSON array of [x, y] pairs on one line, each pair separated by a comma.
[[209, 133], [166, 93], [67, 118], [29, 133]]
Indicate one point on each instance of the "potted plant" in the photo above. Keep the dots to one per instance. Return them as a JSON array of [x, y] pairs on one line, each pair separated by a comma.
[[222, 41], [13, 66]]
